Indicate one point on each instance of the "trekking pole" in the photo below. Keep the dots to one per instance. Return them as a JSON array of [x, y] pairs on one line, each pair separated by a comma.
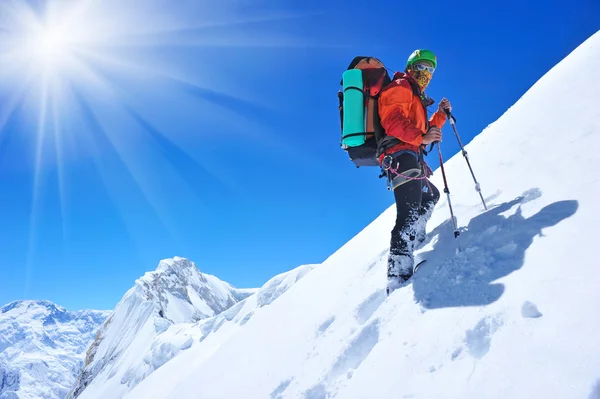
[[464, 152], [447, 191]]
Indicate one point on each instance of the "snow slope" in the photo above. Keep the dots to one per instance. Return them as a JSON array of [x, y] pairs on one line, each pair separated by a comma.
[[128, 346], [516, 314], [208, 335], [42, 348]]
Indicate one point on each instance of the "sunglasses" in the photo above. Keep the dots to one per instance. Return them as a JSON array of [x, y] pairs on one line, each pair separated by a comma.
[[423, 67]]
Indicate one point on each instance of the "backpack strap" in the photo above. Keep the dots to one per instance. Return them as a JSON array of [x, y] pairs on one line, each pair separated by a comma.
[[426, 101], [379, 131]]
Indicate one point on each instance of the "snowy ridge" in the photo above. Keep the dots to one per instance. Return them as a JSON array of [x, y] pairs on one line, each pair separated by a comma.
[[126, 349], [279, 284], [210, 334], [151, 351], [42, 348], [516, 314]]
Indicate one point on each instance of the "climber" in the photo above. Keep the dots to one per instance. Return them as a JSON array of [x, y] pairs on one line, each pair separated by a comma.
[[402, 109]]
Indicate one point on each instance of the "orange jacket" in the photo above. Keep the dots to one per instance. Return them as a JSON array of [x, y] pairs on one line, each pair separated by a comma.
[[403, 115]]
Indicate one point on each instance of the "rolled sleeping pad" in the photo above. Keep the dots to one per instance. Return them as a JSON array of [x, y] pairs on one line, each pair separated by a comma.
[[354, 108]]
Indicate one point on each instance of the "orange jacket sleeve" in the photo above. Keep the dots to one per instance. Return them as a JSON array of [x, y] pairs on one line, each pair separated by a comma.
[[394, 108], [437, 119]]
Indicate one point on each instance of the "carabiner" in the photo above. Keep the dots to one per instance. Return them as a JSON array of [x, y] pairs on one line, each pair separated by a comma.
[[386, 163]]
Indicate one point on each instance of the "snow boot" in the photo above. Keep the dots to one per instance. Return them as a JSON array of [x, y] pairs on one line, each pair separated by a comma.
[[400, 269]]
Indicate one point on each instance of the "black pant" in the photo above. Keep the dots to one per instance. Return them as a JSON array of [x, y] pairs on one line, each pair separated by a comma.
[[415, 200]]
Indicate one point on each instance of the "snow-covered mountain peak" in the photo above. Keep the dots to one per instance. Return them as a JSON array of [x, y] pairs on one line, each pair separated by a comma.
[[159, 340], [176, 262], [49, 313], [175, 292], [42, 347], [185, 294], [30, 308], [175, 265]]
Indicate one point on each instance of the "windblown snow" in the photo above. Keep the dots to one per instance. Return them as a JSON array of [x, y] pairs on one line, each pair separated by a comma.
[[42, 348], [515, 314]]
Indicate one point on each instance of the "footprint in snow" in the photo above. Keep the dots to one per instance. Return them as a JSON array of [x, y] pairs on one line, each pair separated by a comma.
[[349, 360], [456, 353], [276, 394], [357, 351], [479, 339], [325, 325], [369, 306], [317, 392]]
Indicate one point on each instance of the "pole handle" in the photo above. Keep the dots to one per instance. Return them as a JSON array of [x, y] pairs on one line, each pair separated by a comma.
[[449, 114]]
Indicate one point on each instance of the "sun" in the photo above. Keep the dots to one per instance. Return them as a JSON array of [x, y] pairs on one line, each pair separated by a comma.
[[34, 37], [74, 70], [49, 45], [117, 84]]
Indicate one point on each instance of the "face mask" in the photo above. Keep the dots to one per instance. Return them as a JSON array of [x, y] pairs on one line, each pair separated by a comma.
[[422, 77]]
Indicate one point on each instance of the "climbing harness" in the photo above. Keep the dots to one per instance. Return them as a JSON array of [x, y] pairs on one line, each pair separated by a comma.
[[400, 178]]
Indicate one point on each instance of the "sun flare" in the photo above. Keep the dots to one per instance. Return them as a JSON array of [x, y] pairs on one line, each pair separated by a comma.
[[49, 45], [114, 79]]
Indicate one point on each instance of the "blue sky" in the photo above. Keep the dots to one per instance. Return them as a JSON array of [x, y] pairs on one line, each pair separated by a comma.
[[211, 131]]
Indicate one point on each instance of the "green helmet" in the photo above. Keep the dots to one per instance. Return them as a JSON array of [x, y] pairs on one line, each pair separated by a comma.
[[421, 55]]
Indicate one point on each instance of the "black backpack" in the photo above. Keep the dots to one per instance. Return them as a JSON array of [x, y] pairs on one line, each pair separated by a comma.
[[375, 77]]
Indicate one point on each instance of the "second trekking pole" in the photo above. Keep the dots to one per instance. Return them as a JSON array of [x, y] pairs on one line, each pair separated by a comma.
[[447, 191], [464, 152]]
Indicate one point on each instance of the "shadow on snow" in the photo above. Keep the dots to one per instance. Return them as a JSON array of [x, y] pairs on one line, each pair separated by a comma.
[[493, 246]]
